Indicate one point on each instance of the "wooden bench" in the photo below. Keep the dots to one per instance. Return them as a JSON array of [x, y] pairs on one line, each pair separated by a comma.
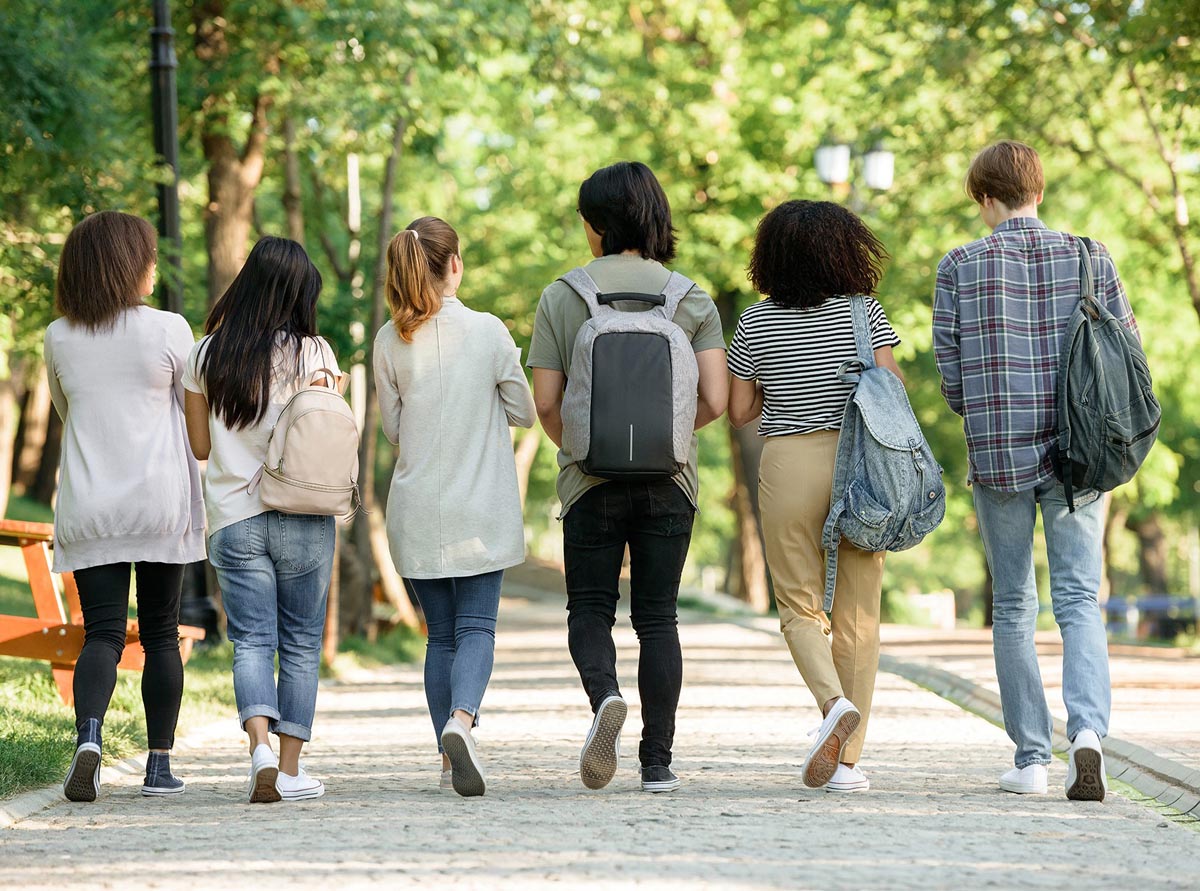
[[56, 635]]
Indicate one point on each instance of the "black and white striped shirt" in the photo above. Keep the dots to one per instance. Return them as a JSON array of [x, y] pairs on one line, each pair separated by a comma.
[[795, 354]]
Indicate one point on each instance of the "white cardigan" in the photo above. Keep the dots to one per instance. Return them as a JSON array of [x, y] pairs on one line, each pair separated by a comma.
[[447, 399], [129, 489]]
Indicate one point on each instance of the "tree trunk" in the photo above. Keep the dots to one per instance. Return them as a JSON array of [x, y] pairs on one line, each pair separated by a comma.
[[751, 583], [1115, 519], [527, 450], [292, 197], [1152, 551], [36, 409], [8, 429]]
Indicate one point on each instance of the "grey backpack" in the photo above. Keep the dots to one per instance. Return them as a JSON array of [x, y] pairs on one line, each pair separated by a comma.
[[1108, 416], [887, 487], [629, 410]]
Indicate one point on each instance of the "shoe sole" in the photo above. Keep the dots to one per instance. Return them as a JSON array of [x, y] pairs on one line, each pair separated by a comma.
[[666, 786], [157, 791], [847, 790], [467, 777], [306, 795], [83, 778], [598, 760], [1022, 790], [262, 790], [1089, 776], [823, 761]]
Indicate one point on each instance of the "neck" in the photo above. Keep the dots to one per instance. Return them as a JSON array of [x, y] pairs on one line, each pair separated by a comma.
[[1029, 210]]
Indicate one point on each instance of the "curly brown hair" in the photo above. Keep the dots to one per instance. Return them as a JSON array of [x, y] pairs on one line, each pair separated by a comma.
[[808, 251]]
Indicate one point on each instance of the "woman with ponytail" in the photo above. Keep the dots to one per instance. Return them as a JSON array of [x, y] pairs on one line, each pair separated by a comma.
[[261, 347], [450, 385]]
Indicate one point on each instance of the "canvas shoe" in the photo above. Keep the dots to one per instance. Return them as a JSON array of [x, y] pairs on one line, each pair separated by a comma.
[[848, 779], [826, 752], [657, 778], [447, 780], [159, 779], [466, 773], [298, 787], [602, 748], [1086, 779], [264, 770], [1027, 780], [83, 777]]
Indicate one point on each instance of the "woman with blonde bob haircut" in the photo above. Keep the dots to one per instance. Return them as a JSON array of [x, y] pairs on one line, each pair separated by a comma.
[[450, 384]]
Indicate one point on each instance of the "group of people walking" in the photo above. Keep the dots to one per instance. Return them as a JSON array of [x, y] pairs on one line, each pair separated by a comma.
[[142, 405]]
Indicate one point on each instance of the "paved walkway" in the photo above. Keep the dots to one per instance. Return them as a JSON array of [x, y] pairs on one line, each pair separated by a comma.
[[933, 820]]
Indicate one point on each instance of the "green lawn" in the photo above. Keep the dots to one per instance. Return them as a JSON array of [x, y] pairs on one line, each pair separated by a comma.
[[37, 732]]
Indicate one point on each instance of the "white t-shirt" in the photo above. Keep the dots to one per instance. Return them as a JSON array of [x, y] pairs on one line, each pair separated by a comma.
[[237, 455]]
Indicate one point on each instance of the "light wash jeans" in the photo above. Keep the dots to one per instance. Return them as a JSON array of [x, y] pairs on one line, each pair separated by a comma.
[[274, 574], [1073, 549], [461, 616]]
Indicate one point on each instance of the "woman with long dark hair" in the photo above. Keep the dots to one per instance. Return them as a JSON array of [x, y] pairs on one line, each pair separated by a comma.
[[450, 385], [129, 491], [260, 348], [809, 258]]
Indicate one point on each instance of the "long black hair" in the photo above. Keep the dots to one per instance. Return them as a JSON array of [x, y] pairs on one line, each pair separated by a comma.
[[266, 313], [625, 205]]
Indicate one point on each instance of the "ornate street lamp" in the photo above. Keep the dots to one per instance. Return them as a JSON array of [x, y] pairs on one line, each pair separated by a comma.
[[832, 159], [879, 168]]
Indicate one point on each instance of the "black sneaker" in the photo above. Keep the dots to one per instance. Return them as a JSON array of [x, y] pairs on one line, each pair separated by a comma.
[[83, 778], [657, 778], [159, 779], [602, 749]]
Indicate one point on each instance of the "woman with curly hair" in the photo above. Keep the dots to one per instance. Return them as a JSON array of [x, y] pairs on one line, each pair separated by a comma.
[[809, 258]]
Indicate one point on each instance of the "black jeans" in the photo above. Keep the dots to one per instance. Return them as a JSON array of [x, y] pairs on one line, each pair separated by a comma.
[[104, 596], [655, 521]]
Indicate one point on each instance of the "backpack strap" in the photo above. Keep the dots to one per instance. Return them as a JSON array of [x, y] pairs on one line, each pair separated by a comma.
[[1087, 280], [677, 287], [581, 283], [849, 372]]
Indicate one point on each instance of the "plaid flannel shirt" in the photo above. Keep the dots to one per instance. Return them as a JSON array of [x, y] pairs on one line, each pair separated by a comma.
[[1000, 309]]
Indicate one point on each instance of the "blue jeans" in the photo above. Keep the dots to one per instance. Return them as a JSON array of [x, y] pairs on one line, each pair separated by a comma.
[[461, 616], [1073, 550], [274, 574]]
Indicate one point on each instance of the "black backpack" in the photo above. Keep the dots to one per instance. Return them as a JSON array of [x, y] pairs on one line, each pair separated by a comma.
[[1108, 416]]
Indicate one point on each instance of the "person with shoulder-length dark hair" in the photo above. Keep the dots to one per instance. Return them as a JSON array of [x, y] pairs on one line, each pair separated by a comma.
[[809, 257], [627, 224], [129, 490], [450, 385], [260, 348]]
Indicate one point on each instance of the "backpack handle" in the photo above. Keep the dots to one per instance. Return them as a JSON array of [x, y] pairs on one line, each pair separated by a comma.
[[677, 287], [333, 378], [1087, 280]]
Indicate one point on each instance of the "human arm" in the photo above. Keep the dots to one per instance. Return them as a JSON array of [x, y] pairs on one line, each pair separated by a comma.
[[57, 396], [511, 383], [745, 401], [195, 414], [387, 392], [548, 386], [712, 396], [946, 351]]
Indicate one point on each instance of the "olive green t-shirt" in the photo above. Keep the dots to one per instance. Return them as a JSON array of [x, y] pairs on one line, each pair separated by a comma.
[[561, 313]]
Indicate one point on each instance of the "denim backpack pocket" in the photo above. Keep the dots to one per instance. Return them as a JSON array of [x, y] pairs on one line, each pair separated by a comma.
[[866, 523]]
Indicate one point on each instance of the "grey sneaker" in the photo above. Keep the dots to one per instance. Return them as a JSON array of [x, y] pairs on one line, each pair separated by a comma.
[[602, 748], [466, 773], [83, 777], [657, 778], [159, 779]]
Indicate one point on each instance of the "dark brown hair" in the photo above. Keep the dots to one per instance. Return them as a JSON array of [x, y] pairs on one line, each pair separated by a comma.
[[103, 263], [808, 251], [625, 205], [1008, 171], [418, 260]]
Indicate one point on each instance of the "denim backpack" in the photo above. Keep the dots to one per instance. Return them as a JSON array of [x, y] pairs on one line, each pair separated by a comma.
[[887, 487], [629, 410], [1107, 414]]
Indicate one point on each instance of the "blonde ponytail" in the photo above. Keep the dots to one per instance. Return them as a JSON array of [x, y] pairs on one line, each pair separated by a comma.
[[418, 261]]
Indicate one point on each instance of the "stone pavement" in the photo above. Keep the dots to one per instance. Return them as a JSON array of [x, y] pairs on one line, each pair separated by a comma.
[[933, 820]]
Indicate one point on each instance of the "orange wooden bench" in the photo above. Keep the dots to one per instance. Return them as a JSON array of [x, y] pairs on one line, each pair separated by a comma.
[[56, 635]]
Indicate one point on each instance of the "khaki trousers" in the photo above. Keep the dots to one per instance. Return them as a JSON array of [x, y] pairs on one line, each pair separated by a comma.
[[838, 658]]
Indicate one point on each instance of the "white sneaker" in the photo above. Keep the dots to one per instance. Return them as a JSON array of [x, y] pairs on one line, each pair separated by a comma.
[[848, 779], [1086, 779], [602, 748], [264, 768], [466, 773], [298, 787], [826, 752], [1027, 780], [447, 780]]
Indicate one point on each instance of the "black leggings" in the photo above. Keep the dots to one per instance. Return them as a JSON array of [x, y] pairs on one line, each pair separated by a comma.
[[104, 596]]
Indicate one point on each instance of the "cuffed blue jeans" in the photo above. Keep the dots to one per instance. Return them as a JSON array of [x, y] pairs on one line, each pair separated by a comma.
[[1073, 550], [274, 572], [461, 616]]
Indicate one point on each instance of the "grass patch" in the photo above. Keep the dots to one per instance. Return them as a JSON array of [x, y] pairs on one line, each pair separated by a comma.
[[37, 732], [400, 645]]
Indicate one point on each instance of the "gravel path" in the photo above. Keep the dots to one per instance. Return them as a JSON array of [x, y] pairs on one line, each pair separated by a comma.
[[934, 818]]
